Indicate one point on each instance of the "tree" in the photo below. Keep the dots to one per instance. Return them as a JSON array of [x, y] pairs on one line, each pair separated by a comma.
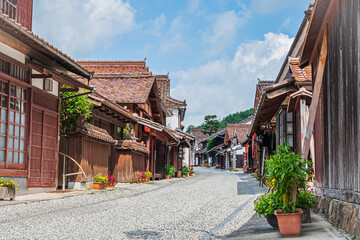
[[236, 117], [211, 125], [188, 130], [73, 110]]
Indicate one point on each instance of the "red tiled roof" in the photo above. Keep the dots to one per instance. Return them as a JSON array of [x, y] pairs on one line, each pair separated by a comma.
[[300, 75], [132, 145], [95, 132], [163, 83], [116, 67], [241, 131], [101, 100], [124, 90]]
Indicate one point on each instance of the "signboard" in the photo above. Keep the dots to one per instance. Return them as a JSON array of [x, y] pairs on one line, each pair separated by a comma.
[[267, 126], [147, 129]]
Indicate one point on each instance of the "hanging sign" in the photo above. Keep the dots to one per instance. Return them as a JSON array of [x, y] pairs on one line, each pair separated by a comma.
[[147, 129], [267, 126]]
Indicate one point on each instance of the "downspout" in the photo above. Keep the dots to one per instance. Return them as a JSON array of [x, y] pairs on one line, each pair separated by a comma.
[[78, 95]]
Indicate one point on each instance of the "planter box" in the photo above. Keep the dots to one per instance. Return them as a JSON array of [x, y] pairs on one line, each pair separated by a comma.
[[98, 185], [6, 192]]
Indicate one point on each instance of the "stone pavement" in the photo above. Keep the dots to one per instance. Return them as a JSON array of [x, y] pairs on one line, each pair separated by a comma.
[[214, 204], [258, 228]]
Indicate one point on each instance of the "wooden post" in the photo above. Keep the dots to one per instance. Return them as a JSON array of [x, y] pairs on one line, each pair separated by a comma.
[[63, 176], [313, 107], [316, 96]]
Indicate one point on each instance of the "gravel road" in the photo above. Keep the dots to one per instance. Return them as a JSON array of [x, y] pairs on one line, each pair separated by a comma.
[[210, 205]]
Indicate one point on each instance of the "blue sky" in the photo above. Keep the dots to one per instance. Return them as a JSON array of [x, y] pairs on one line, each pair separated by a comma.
[[214, 50]]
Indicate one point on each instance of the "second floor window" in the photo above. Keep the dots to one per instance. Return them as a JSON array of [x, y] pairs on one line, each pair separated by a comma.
[[8, 7]]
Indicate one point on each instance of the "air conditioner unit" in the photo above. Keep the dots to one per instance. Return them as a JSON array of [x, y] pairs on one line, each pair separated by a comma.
[[48, 84]]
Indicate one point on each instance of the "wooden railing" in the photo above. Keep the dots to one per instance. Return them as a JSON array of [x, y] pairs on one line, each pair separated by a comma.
[[64, 175]]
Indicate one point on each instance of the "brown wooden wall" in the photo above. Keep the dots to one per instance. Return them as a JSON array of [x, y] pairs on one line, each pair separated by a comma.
[[92, 155], [126, 164], [24, 13], [337, 125]]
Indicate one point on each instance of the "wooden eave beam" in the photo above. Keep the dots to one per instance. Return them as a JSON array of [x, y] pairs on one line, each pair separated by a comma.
[[41, 75], [69, 89]]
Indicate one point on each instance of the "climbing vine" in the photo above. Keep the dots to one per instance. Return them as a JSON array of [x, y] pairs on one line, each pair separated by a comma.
[[73, 110]]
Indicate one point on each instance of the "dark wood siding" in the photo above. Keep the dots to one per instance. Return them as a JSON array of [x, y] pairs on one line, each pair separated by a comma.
[[44, 148], [24, 13], [337, 152], [127, 163]]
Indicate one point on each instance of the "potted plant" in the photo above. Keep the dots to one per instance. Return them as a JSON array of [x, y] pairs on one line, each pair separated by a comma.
[[148, 175], [143, 177], [185, 171], [192, 172], [169, 171], [305, 200], [266, 205], [100, 181], [111, 181], [287, 171], [138, 178], [7, 188]]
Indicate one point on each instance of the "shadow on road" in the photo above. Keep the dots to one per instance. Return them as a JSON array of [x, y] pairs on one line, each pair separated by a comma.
[[140, 234]]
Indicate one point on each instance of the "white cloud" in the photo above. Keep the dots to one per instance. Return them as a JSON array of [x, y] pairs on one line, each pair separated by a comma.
[[78, 26], [193, 5], [171, 40], [224, 30], [225, 85]]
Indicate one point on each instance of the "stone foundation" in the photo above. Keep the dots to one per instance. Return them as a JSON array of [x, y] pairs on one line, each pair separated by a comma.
[[343, 215]]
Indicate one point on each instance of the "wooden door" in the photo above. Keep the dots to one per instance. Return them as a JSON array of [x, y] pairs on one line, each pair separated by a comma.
[[43, 148]]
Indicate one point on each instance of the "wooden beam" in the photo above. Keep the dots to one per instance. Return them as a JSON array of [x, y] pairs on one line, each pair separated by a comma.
[[69, 89], [41, 75], [316, 96], [156, 115], [152, 99]]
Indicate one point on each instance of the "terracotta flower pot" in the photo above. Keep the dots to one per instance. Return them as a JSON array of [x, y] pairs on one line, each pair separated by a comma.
[[184, 176], [167, 176], [98, 185], [138, 182], [109, 186], [191, 174], [147, 180], [289, 223]]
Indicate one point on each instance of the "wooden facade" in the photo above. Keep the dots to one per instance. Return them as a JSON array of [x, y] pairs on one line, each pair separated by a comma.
[[337, 130], [29, 125]]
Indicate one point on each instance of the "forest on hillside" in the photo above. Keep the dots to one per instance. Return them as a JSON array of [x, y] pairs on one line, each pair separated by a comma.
[[229, 119]]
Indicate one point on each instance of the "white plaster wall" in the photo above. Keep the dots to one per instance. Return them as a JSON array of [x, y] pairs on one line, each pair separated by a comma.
[[173, 121], [39, 83], [8, 51], [18, 56]]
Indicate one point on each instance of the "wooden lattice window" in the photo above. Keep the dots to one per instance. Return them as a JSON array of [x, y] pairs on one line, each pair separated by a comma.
[[14, 70], [8, 7], [285, 128], [12, 125]]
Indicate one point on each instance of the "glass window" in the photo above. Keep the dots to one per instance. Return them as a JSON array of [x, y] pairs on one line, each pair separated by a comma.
[[12, 124]]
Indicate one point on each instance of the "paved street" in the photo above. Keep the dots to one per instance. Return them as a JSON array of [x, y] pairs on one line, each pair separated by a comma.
[[213, 204]]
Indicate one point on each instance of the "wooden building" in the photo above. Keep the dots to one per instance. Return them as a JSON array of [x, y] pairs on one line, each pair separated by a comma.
[[31, 73], [132, 86], [331, 48], [235, 134], [96, 145], [281, 106]]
